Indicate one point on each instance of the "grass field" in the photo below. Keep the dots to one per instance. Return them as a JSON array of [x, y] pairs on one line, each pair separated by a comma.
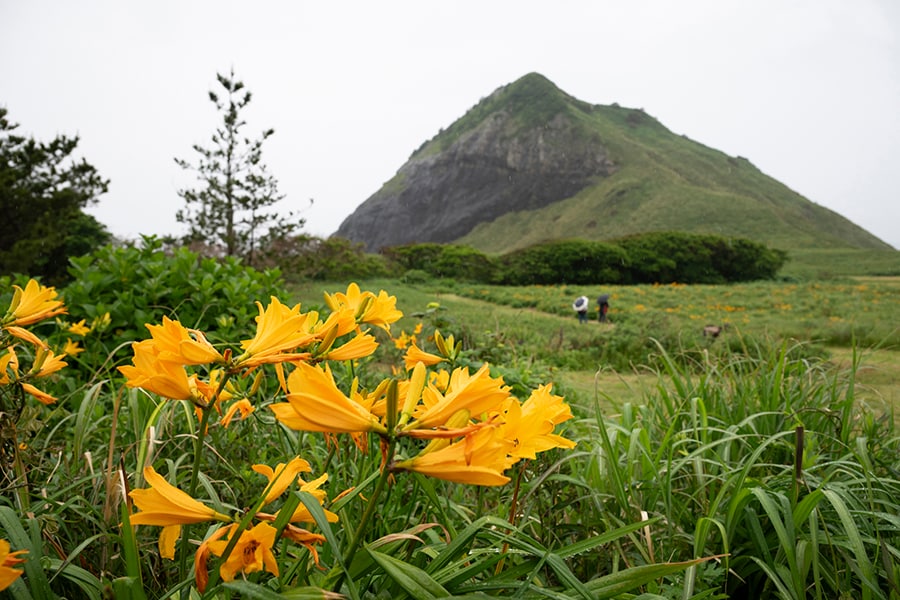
[[662, 464], [830, 317]]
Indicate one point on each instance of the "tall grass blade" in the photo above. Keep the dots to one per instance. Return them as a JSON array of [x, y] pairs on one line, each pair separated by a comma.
[[318, 514], [417, 583], [628, 580], [863, 566], [19, 539]]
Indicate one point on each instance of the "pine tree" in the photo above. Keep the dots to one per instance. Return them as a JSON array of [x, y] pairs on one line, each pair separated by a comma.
[[233, 209], [43, 192]]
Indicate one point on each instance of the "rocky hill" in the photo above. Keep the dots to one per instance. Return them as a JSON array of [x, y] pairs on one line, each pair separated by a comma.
[[530, 163]]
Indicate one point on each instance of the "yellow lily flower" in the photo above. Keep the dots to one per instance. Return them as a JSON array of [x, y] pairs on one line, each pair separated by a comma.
[[282, 476], [379, 310], [46, 363], [253, 552], [302, 514], [34, 303], [382, 311], [8, 560], [402, 341], [342, 319], [479, 459], [243, 406], [79, 328], [168, 537], [165, 378], [351, 300], [530, 425], [163, 504], [316, 404], [359, 347], [42, 397], [478, 394], [8, 362], [24, 334], [440, 379], [72, 348], [279, 329], [176, 343], [416, 355]]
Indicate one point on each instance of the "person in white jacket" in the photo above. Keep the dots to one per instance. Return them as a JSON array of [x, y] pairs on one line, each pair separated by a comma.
[[580, 306]]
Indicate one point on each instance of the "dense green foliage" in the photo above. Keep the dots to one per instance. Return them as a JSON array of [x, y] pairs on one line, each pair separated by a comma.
[[767, 460], [748, 448], [138, 285], [333, 259], [564, 262], [443, 260], [232, 211], [664, 257], [646, 258], [43, 192]]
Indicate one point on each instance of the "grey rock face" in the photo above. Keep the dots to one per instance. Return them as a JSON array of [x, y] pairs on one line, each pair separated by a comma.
[[495, 168]]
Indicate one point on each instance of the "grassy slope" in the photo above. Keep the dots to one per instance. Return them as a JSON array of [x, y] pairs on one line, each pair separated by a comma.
[[667, 182], [826, 263], [757, 309]]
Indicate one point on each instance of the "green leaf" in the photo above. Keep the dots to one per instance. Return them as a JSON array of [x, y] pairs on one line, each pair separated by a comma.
[[85, 580], [864, 566], [318, 514], [414, 580], [603, 538], [247, 589], [461, 542], [629, 580], [129, 548], [38, 585]]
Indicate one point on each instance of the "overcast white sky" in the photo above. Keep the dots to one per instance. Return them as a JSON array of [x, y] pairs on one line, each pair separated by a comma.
[[808, 90]]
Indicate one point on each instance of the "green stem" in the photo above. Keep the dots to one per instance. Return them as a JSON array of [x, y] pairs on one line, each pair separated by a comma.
[[513, 508], [337, 575], [198, 448], [21, 482], [195, 472]]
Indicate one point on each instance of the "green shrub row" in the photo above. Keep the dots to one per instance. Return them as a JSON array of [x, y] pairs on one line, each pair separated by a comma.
[[662, 257]]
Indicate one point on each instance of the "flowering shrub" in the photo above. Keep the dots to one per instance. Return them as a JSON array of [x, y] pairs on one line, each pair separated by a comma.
[[431, 417], [474, 428], [131, 286]]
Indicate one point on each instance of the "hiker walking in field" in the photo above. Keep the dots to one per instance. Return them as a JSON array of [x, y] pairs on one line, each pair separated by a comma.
[[580, 306], [603, 306]]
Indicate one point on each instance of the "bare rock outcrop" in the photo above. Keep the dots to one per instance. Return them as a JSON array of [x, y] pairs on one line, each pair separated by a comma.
[[506, 162]]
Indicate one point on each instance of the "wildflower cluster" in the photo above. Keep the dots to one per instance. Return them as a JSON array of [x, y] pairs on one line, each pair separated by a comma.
[[247, 546], [29, 306], [475, 428], [449, 424]]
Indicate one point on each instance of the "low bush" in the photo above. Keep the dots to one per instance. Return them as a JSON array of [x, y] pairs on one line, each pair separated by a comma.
[[324, 259], [666, 257], [120, 289], [443, 261], [563, 262]]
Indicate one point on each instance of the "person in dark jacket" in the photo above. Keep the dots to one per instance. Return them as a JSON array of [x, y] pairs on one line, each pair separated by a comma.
[[603, 307]]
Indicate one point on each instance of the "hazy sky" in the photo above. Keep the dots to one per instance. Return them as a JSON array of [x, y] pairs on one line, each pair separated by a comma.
[[807, 90]]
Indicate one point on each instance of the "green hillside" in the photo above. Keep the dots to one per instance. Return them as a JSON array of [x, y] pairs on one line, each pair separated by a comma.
[[663, 181]]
